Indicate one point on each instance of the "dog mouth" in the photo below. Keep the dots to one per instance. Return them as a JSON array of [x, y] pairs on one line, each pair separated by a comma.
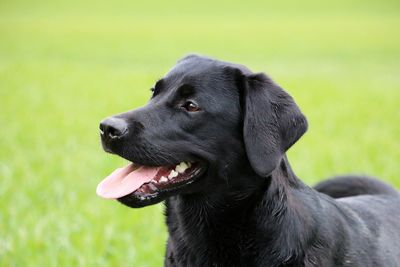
[[145, 181]]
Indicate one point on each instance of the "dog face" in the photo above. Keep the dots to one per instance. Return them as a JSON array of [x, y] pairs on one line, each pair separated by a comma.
[[207, 122]]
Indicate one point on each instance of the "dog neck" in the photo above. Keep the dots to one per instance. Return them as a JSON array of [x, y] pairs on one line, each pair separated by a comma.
[[204, 225]]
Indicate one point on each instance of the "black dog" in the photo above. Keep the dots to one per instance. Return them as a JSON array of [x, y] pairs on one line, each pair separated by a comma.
[[211, 142]]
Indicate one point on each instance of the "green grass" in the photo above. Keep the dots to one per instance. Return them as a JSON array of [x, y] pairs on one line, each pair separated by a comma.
[[66, 65]]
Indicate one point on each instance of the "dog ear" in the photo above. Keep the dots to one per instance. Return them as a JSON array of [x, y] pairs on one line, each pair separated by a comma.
[[272, 122]]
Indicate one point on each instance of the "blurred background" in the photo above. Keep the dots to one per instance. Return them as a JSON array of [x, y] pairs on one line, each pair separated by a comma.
[[65, 65]]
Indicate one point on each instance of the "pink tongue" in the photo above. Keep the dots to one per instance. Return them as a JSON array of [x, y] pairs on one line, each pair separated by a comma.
[[124, 181]]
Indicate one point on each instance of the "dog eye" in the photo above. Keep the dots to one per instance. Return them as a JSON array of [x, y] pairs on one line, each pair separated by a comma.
[[190, 106]]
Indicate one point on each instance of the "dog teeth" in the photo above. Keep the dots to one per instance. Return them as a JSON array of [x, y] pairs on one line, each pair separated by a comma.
[[163, 179], [154, 181], [173, 174], [181, 167]]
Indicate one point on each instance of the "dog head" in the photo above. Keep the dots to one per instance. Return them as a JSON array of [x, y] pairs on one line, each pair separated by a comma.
[[207, 122]]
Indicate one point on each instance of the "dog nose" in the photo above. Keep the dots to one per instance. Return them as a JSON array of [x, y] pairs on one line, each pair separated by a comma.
[[113, 128]]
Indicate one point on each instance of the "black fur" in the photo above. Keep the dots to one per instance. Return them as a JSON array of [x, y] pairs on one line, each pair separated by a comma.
[[347, 186], [248, 208]]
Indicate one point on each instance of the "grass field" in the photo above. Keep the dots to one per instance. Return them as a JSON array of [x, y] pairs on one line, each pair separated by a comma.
[[66, 65]]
